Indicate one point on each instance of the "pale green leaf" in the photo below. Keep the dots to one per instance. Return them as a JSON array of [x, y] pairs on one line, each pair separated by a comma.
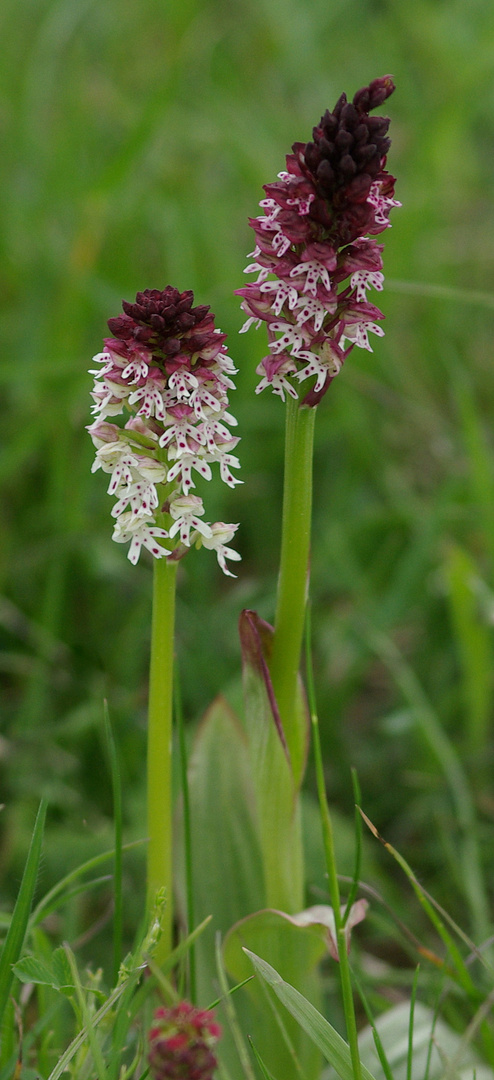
[[295, 950], [393, 1030], [330, 1043], [18, 925]]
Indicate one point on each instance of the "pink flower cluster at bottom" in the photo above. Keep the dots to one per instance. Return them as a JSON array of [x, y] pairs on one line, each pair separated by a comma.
[[181, 1043]]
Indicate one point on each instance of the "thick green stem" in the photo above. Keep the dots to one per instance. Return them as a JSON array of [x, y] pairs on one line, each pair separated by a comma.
[[333, 883], [281, 830], [281, 835], [294, 562], [159, 773]]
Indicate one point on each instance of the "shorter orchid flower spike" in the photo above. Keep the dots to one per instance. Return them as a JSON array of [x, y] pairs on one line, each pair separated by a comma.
[[165, 367], [316, 255]]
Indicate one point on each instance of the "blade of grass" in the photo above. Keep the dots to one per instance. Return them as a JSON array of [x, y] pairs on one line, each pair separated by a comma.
[[334, 888], [468, 1036], [431, 1040], [410, 1024], [464, 977], [56, 894], [87, 1018], [231, 990], [264, 1071], [117, 816], [85, 886], [80, 1038], [478, 450], [20, 918], [451, 766], [381, 1053], [473, 642], [332, 1046], [31, 1037], [358, 847], [231, 1015], [282, 1027]]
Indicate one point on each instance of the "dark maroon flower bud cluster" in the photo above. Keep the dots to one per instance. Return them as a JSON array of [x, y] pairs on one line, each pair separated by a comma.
[[181, 1043], [167, 324], [315, 253], [345, 158]]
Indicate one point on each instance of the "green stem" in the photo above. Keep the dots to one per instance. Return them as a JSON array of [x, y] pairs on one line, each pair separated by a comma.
[[333, 883], [294, 562], [189, 889], [281, 834], [334, 892], [117, 873], [280, 810], [159, 775]]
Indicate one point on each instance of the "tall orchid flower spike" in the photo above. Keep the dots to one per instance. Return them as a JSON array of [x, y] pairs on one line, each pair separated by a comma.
[[315, 260], [316, 255], [166, 368]]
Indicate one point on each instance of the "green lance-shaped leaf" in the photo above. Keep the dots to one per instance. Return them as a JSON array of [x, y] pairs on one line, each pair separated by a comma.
[[319, 1030], [294, 945], [278, 766], [14, 940], [227, 875]]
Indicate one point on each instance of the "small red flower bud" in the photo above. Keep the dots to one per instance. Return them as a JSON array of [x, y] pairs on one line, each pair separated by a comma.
[[181, 1043]]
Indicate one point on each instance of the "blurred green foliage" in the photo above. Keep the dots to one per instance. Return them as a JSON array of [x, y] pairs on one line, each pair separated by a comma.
[[136, 139]]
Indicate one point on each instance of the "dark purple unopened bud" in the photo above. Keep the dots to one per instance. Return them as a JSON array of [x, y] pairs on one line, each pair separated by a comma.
[[181, 1043], [373, 95], [346, 156], [167, 323]]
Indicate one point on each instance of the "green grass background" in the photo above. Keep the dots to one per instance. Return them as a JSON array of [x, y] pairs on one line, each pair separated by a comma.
[[136, 137]]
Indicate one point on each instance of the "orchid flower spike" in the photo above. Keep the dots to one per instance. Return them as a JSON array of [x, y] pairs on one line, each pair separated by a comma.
[[316, 255], [166, 368]]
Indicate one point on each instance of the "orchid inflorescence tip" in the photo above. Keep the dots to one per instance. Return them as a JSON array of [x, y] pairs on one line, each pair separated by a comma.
[[316, 255]]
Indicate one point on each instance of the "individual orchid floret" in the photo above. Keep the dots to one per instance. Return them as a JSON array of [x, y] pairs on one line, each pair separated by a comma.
[[129, 527], [221, 535], [181, 1043], [316, 255], [166, 374], [186, 511]]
